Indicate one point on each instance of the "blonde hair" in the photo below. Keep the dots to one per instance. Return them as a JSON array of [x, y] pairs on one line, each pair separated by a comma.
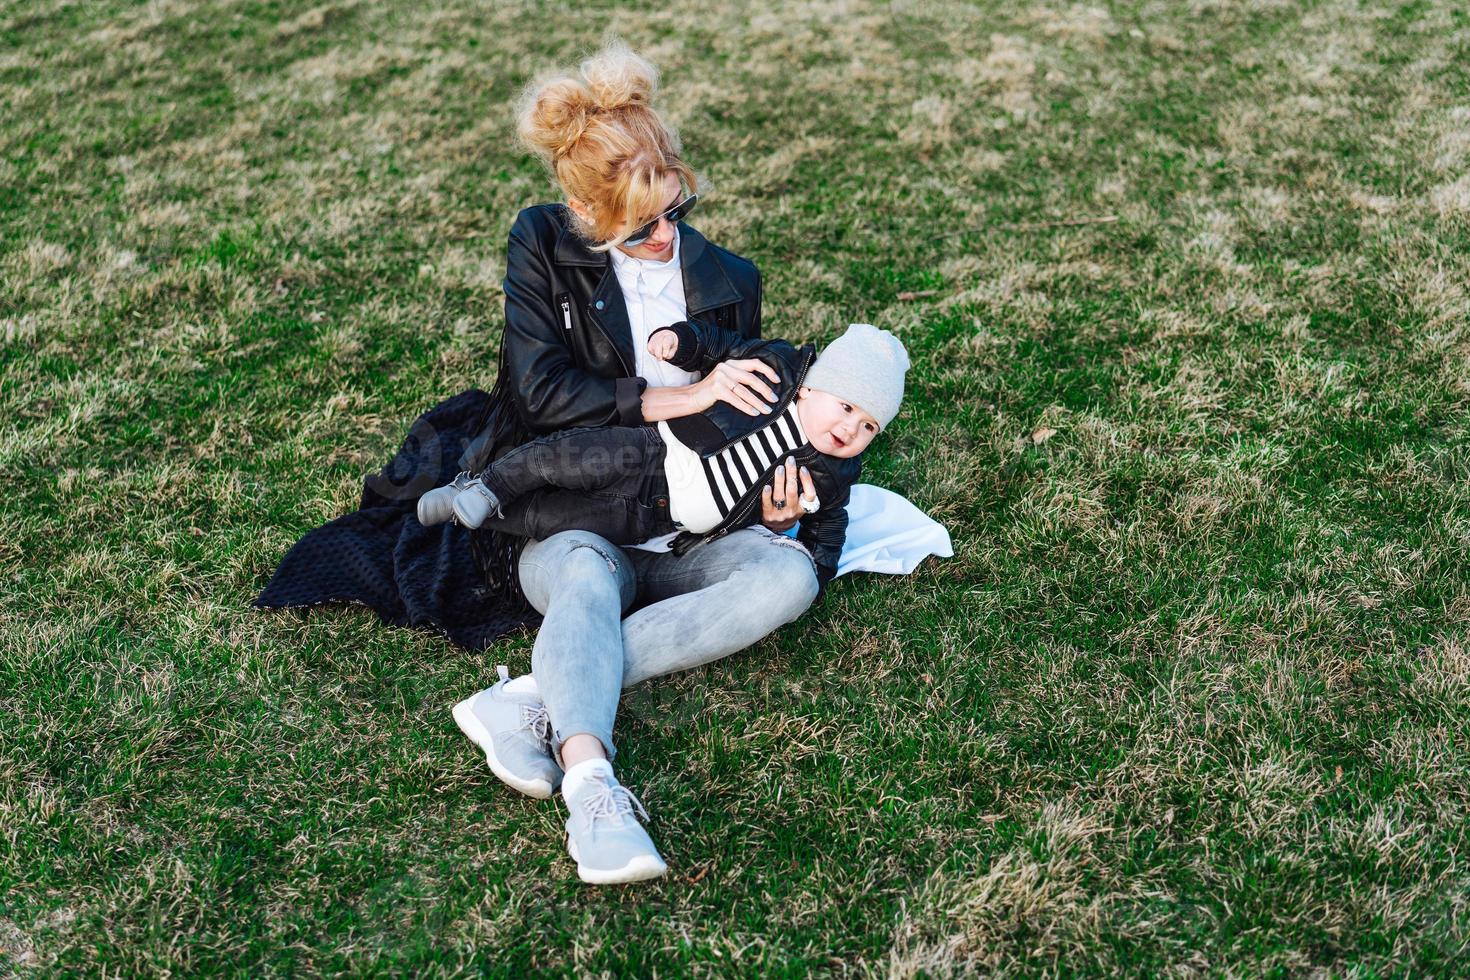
[[606, 144]]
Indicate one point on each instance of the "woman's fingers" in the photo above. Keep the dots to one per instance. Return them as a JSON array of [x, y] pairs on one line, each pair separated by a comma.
[[781, 502], [783, 506], [748, 383], [739, 389], [785, 484], [737, 383], [742, 397], [756, 389], [769, 511], [746, 369], [778, 519]]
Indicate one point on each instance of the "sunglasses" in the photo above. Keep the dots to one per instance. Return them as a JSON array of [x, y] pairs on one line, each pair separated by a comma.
[[675, 214]]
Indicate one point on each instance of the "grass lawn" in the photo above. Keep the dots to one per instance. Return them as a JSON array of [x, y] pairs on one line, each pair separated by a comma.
[[1185, 285]]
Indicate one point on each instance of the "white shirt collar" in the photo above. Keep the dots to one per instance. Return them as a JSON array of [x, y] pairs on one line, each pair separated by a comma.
[[656, 275]]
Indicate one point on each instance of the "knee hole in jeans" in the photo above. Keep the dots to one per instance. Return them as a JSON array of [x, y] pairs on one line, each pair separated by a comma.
[[612, 563]]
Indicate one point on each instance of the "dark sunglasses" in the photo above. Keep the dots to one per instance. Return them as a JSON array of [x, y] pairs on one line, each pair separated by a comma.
[[675, 214]]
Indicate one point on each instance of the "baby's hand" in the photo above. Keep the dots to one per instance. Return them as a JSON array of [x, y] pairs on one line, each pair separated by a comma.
[[663, 344]]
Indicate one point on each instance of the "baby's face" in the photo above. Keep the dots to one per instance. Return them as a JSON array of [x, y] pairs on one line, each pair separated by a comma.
[[835, 427]]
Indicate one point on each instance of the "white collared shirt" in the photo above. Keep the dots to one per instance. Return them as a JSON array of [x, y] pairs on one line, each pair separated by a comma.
[[654, 295]]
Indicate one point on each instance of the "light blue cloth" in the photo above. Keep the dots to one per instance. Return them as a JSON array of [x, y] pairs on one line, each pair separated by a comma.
[[886, 533]]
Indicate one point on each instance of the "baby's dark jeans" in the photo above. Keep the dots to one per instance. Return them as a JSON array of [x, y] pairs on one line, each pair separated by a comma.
[[606, 479]]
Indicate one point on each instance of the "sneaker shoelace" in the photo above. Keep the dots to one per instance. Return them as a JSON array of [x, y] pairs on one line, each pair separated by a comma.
[[534, 718], [612, 801]]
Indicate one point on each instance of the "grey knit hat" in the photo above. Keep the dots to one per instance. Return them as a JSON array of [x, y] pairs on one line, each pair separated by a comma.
[[864, 366]]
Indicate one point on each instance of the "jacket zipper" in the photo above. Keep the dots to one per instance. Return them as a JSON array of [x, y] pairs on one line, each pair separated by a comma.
[[566, 312], [737, 516]]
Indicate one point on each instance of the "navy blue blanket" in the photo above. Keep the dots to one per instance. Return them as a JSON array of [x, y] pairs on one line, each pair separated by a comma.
[[382, 557]]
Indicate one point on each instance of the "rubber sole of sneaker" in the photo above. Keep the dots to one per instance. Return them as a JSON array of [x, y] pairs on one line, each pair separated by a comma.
[[641, 868], [538, 789]]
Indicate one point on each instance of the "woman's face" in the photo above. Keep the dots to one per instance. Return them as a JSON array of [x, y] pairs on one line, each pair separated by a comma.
[[659, 247]]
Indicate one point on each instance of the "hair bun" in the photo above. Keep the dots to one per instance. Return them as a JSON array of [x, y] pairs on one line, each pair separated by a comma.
[[555, 116], [616, 77], [556, 112]]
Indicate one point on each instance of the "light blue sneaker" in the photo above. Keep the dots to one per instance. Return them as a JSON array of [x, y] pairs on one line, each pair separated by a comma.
[[515, 734], [604, 836]]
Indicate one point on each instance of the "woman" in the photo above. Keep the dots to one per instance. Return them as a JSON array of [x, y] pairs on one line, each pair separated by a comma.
[[586, 282]]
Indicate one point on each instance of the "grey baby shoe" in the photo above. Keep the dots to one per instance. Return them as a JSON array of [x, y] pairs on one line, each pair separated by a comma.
[[515, 734], [475, 503], [604, 836], [437, 506]]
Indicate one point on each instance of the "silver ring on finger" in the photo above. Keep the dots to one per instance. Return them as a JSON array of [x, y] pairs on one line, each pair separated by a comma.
[[779, 503]]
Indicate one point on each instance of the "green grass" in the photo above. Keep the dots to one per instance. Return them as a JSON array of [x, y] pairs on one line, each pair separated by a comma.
[[1193, 696]]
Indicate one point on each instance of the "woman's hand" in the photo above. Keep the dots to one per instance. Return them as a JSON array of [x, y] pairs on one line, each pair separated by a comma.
[[780, 507], [737, 383]]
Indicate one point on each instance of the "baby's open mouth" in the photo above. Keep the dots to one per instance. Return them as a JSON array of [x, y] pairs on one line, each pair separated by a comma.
[[837, 439]]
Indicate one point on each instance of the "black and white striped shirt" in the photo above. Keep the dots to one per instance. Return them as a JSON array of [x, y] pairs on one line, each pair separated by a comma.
[[702, 492]]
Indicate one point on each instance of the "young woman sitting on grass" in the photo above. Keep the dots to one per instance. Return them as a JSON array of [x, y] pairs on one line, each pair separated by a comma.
[[587, 282]]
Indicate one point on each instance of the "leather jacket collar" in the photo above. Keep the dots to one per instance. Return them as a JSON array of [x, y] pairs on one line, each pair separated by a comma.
[[706, 286]]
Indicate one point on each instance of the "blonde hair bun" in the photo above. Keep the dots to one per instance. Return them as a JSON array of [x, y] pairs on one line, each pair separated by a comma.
[[556, 112], [617, 77]]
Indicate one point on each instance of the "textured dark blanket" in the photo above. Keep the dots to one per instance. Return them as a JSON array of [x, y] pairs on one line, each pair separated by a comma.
[[382, 557]]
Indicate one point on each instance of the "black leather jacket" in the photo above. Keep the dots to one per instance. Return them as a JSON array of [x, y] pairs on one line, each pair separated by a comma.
[[567, 356], [701, 347]]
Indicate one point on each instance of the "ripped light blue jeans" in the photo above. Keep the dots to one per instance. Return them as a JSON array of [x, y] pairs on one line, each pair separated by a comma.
[[716, 600]]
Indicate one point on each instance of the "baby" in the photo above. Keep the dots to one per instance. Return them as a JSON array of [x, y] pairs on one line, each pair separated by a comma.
[[702, 474]]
